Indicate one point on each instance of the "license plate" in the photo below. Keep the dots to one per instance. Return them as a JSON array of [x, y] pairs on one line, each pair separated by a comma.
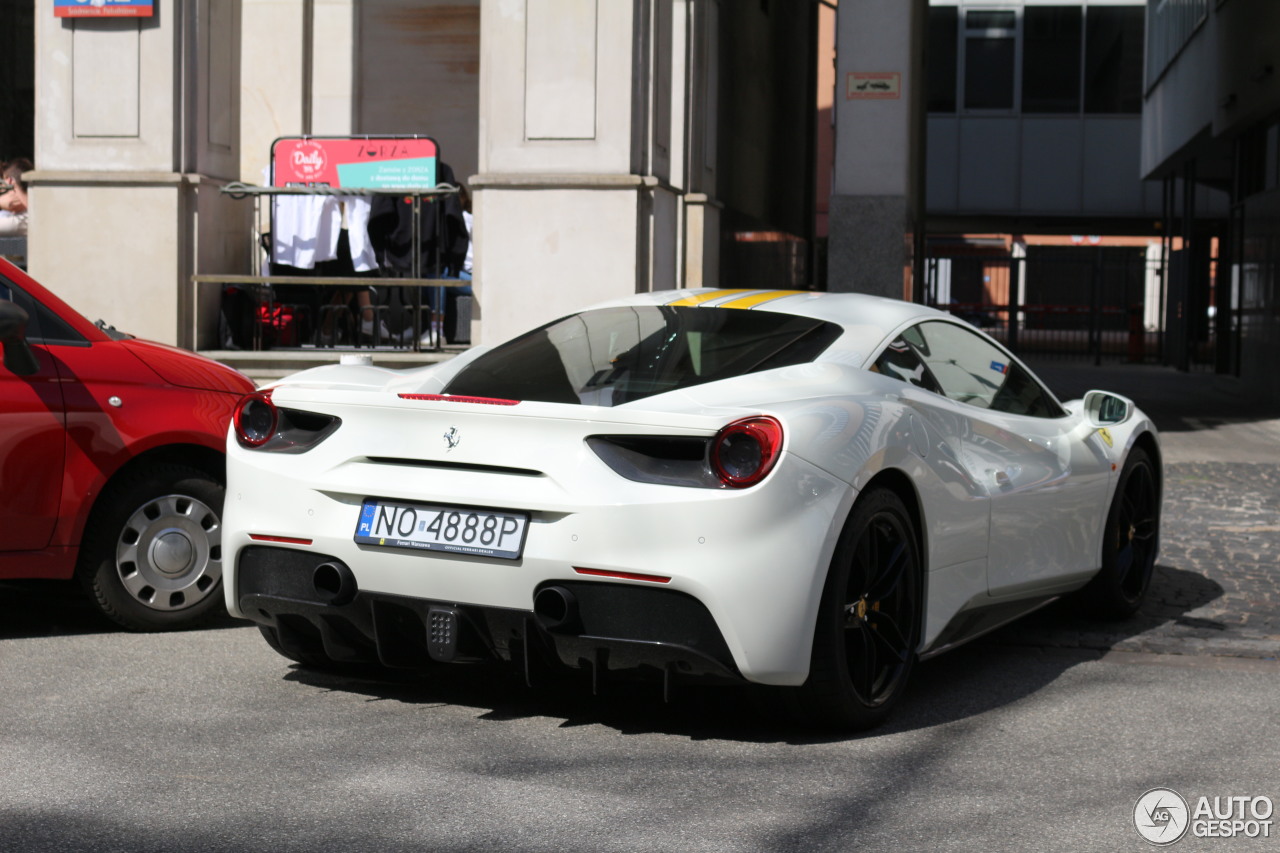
[[427, 527]]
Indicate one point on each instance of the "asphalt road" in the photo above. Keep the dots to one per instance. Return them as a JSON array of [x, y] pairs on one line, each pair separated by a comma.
[[1040, 737], [207, 742]]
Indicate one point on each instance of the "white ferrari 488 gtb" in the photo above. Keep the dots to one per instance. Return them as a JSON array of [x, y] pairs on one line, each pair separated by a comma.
[[805, 490]]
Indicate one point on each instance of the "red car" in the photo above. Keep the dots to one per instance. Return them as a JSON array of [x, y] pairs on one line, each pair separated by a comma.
[[111, 461]]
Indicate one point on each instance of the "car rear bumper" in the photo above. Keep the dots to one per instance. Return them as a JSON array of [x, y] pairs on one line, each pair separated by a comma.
[[607, 627], [750, 562]]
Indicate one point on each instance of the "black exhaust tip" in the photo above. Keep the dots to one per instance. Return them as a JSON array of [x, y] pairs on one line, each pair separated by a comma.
[[334, 583], [556, 610]]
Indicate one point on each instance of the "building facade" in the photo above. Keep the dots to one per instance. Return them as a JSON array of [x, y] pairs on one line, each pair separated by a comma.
[[1211, 136], [611, 146], [1035, 118]]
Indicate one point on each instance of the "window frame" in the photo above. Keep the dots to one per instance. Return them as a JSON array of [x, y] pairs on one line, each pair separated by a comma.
[[964, 31]]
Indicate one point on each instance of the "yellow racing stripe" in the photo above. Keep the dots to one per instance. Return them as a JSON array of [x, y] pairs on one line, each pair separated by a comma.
[[699, 298], [758, 298]]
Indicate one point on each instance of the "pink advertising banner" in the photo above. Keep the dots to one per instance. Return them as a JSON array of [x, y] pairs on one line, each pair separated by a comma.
[[360, 163], [103, 8]]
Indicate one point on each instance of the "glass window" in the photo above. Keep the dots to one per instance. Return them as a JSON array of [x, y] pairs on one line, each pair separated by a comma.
[[901, 361], [612, 356], [988, 72], [1051, 59], [1113, 59], [941, 59], [986, 19], [971, 369], [43, 326]]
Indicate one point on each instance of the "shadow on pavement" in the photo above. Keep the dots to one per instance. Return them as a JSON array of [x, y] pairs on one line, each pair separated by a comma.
[[1002, 668], [61, 609], [1173, 594]]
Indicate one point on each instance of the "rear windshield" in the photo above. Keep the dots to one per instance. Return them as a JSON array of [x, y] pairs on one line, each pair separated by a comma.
[[612, 356]]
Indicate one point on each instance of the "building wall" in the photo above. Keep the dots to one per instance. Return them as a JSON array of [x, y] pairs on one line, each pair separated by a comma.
[[1259, 282], [419, 73], [1038, 166], [575, 262], [592, 129], [574, 197], [1210, 116], [874, 203], [1179, 106], [766, 124], [272, 80], [137, 124], [1052, 135]]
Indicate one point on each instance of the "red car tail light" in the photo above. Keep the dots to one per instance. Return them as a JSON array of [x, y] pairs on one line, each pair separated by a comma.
[[255, 420], [745, 451]]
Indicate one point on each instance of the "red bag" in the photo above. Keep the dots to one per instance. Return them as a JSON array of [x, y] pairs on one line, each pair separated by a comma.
[[278, 326]]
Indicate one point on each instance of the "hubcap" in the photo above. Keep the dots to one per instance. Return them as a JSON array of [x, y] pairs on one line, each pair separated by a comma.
[[879, 625], [169, 553]]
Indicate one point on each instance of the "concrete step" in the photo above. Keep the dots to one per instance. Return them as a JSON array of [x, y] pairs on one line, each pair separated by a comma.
[[265, 366]]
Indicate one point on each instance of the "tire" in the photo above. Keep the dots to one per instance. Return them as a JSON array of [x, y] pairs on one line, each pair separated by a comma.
[[1130, 542], [152, 560], [868, 627]]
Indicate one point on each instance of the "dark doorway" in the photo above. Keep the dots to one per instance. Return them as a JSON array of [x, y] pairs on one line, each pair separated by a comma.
[[17, 78]]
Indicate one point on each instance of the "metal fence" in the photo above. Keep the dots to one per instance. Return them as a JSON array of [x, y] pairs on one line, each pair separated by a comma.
[[1063, 302]]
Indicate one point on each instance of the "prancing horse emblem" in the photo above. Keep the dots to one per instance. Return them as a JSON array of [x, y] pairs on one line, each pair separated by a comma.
[[451, 438]]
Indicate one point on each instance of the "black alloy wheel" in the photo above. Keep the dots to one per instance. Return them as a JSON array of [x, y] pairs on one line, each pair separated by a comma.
[[869, 622], [1130, 541]]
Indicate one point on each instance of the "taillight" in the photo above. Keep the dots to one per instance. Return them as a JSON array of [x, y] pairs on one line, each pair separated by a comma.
[[255, 420], [261, 425], [744, 452]]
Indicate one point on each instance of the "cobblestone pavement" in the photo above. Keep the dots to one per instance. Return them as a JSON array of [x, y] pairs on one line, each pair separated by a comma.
[[1214, 591]]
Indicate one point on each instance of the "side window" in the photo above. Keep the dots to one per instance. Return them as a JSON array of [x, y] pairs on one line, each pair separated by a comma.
[[44, 326], [901, 361], [974, 371]]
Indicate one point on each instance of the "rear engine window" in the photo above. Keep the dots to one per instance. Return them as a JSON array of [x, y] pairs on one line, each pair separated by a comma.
[[612, 356]]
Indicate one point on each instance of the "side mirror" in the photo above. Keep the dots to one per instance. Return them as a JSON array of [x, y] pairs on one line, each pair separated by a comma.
[[1103, 408], [18, 357]]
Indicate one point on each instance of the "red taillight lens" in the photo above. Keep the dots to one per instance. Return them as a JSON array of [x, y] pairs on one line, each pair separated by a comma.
[[255, 420], [744, 452]]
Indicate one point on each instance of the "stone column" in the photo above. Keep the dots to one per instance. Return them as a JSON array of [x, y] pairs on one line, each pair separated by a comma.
[[876, 206], [137, 126], [575, 200]]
